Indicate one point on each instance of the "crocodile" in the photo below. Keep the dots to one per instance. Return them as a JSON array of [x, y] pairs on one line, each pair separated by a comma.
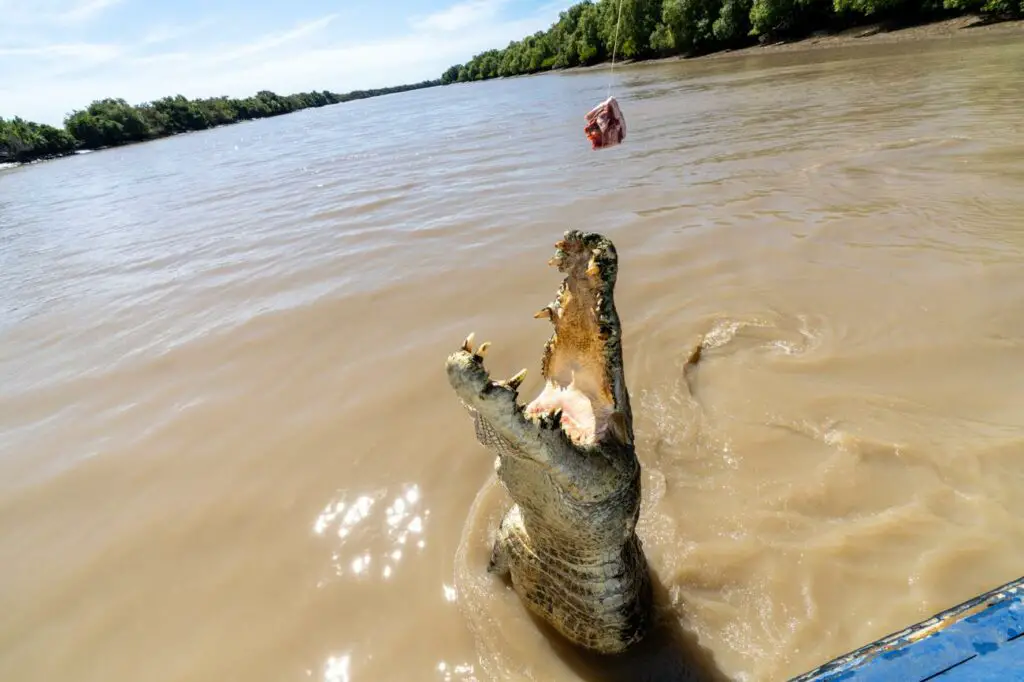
[[568, 543]]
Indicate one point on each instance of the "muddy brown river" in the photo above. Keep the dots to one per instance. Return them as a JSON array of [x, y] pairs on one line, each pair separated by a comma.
[[228, 449]]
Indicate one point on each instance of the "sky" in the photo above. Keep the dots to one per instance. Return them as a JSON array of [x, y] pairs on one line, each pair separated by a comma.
[[57, 56]]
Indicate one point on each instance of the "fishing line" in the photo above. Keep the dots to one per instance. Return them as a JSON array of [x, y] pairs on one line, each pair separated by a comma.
[[615, 47], [605, 124]]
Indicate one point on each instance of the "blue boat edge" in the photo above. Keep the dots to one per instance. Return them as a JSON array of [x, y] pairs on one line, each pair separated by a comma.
[[965, 642]]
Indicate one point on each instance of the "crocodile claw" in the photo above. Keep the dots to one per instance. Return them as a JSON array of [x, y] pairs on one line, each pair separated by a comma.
[[516, 381]]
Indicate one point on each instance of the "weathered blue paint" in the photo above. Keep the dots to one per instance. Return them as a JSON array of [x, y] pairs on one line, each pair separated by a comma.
[[980, 640]]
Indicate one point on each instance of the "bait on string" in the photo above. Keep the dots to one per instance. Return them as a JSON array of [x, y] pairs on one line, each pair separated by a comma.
[[605, 125]]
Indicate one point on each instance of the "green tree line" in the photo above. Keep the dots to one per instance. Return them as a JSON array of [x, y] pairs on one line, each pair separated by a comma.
[[114, 122], [585, 34]]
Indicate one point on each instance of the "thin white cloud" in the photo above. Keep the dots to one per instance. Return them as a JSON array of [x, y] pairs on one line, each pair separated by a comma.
[[275, 40], [85, 10], [92, 52], [164, 33], [52, 12], [461, 16], [301, 58]]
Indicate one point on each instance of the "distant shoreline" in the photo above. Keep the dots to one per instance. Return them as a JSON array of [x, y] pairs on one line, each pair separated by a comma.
[[965, 26], [877, 33], [587, 34], [113, 122]]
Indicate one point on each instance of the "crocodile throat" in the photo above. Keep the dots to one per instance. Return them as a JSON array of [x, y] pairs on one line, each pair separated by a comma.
[[582, 364]]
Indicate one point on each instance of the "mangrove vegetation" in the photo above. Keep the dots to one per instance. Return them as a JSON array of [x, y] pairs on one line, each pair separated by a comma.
[[585, 34], [114, 122]]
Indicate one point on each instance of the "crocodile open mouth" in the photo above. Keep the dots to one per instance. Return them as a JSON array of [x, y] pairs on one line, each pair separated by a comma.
[[582, 363], [584, 395]]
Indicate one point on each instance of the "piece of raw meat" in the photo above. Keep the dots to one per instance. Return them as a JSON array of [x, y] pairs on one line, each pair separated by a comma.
[[606, 126]]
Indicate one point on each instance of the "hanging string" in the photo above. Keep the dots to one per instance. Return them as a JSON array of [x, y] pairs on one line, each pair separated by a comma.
[[615, 47], [605, 126]]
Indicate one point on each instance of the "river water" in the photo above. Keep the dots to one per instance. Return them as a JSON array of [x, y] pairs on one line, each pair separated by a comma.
[[228, 450]]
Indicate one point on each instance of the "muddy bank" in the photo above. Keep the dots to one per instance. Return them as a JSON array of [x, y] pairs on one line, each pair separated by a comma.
[[964, 27], [959, 27]]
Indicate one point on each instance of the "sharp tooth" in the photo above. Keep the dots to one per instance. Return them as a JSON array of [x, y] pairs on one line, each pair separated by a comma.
[[516, 381], [543, 313], [467, 345], [482, 350]]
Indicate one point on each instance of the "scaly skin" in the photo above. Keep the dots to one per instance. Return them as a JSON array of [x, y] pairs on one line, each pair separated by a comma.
[[568, 543]]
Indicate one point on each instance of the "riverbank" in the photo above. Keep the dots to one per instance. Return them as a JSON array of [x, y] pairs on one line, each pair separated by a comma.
[[587, 34], [115, 123], [965, 26]]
